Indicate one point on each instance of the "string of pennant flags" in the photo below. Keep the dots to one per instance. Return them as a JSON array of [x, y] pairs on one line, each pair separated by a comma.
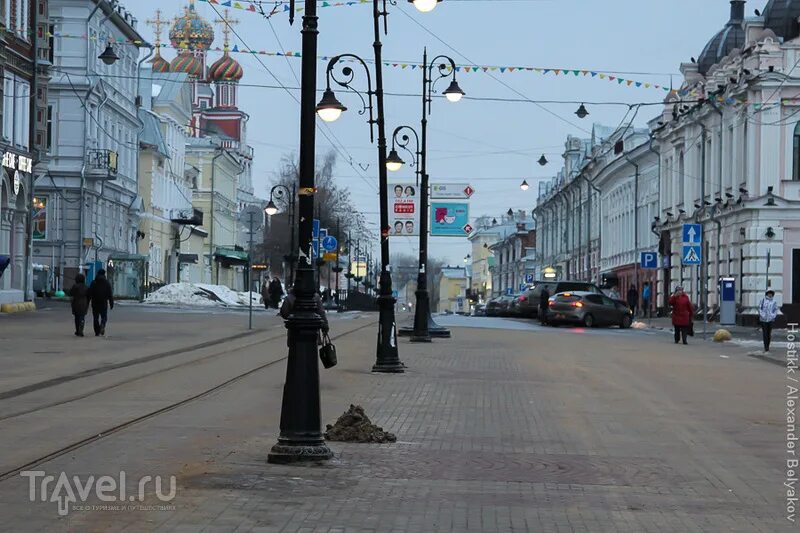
[[682, 93], [246, 5], [468, 69]]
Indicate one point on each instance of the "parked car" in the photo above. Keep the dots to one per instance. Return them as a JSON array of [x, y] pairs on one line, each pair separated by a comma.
[[588, 309], [529, 307], [514, 306], [478, 310], [498, 306]]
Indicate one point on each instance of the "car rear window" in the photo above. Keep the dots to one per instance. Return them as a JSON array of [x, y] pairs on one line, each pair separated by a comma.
[[594, 298], [574, 286]]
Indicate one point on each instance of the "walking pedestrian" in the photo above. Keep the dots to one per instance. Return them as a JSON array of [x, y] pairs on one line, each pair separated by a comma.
[[275, 290], [265, 295], [646, 294], [102, 298], [767, 313], [682, 313], [613, 293], [633, 298], [544, 298], [80, 303]]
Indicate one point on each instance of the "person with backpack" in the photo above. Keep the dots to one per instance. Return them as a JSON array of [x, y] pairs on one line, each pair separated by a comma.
[[80, 303], [102, 298], [767, 313]]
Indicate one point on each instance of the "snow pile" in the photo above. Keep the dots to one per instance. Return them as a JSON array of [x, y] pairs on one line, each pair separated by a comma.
[[639, 325], [201, 294]]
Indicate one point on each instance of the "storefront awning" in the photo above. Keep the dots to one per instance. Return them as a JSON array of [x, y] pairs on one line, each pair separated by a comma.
[[230, 256]]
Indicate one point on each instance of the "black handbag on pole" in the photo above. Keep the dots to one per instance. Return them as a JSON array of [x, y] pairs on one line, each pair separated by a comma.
[[327, 352]]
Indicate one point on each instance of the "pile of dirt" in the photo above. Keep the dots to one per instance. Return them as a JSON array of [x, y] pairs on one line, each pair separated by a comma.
[[355, 426]]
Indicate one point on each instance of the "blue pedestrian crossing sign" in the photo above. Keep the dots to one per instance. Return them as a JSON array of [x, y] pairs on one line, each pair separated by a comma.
[[692, 255], [692, 234], [649, 260]]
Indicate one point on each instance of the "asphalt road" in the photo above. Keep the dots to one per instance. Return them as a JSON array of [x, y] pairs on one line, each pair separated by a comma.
[[505, 427]]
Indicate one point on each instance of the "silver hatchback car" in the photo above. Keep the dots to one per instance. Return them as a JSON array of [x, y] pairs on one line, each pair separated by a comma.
[[588, 309]]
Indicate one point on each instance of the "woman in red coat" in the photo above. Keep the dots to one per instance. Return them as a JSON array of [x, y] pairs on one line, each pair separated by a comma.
[[682, 313]]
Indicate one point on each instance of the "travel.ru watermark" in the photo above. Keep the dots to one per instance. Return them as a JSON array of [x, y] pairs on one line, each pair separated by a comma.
[[75, 491]]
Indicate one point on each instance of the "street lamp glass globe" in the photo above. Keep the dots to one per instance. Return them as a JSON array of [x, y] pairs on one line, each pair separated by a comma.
[[425, 6], [393, 161], [454, 93], [329, 108], [524, 185], [271, 208]]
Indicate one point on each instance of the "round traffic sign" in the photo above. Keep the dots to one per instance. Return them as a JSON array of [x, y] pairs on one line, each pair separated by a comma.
[[329, 243]]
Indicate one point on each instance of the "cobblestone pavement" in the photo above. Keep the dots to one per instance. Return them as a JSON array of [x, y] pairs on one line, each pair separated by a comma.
[[498, 430]]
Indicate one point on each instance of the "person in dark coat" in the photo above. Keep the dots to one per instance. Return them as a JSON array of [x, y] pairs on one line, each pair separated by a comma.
[[682, 313], [275, 292], [265, 295], [544, 297], [633, 298], [80, 303], [102, 298]]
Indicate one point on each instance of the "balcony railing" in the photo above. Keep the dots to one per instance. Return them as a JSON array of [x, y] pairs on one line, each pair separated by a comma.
[[101, 164]]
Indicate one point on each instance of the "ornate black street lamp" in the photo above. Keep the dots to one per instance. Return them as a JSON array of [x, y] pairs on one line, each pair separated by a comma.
[[300, 437], [424, 326], [288, 196], [387, 357]]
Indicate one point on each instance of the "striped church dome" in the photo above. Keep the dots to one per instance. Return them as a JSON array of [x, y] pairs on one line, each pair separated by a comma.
[[160, 65], [188, 63], [225, 68]]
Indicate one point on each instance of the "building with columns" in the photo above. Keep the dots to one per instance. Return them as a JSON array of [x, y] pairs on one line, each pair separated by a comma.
[[730, 160], [594, 216]]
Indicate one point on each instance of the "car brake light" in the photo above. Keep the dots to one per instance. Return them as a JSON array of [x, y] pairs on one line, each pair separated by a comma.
[[577, 304], [522, 298], [567, 294], [551, 303]]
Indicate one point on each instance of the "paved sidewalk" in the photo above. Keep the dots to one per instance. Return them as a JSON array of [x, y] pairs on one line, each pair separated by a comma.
[[40, 346], [497, 431]]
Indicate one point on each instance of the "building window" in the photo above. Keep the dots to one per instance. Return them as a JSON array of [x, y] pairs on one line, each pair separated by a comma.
[[8, 107], [39, 218], [796, 154], [49, 143]]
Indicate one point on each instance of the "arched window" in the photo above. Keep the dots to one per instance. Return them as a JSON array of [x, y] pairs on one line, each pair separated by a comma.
[[796, 153]]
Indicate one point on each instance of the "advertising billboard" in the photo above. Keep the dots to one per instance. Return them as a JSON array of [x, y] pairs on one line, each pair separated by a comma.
[[404, 210]]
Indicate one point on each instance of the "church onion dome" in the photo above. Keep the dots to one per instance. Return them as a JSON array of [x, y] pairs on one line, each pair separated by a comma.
[[225, 68], [160, 65], [191, 31], [189, 63], [781, 17], [723, 43]]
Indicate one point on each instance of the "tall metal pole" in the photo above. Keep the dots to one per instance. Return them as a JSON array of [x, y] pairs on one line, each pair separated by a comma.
[[300, 438], [387, 356], [250, 216], [349, 274], [292, 247], [338, 272]]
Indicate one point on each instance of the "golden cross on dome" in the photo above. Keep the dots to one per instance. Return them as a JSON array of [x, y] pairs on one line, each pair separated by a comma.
[[227, 24], [157, 23]]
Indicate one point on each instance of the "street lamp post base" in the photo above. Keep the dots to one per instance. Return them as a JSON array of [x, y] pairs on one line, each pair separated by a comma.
[[288, 453], [390, 368]]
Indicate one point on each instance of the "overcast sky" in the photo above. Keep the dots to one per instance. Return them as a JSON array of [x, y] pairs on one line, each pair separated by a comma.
[[489, 144]]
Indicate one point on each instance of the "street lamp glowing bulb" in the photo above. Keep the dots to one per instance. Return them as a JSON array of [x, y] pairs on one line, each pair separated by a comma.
[[425, 6], [393, 161], [329, 108], [271, 208], [454, 93], [524, 185]]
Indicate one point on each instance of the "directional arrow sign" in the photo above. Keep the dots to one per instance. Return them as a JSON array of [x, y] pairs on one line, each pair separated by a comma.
[[468, 228], [692, 233]]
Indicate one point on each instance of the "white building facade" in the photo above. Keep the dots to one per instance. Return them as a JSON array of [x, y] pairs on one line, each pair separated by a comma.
[[730, 158], [91, 189]]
